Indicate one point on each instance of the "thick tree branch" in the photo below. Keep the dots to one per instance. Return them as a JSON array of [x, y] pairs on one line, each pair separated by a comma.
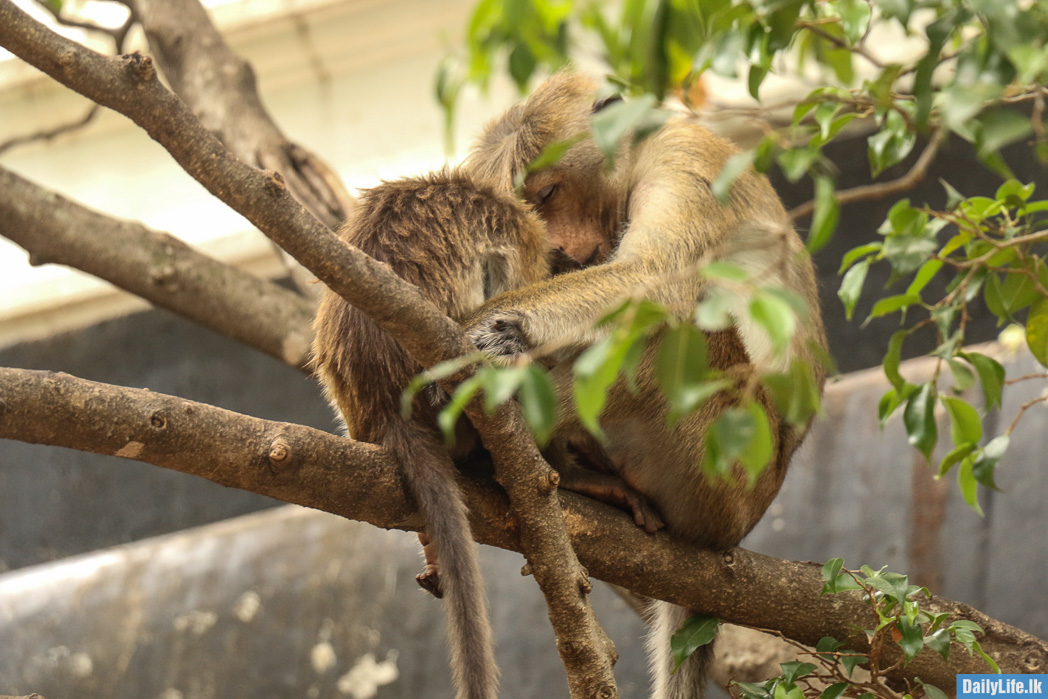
[[312, 468], [221, 89], [157, 267], [129, 84]]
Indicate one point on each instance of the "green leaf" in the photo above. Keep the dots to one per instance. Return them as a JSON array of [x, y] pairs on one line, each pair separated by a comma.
[[963, 377], [827, 213], [892, 358], [851, 661], [965, 425], [609, 125], [776, 317], [984, 466], [754, 80], [933, 692], [795, 162], [924, 275], [732, 170], [855, 18], [795, 393], [891, 144], [550, 156], [831, 569], [968, 485], [855, 253], [919, 418], [500, 383], [696, 631], [522, 64], [758, 451], [726, 440], [998, 127], [991, 376], [912, 640], [795, 669], [448, 417], [834, 691], [891, 304], [940, 643], [538, 401], [1037, 331], [956, 455], [851, 287], [680, 368], [436, 373]]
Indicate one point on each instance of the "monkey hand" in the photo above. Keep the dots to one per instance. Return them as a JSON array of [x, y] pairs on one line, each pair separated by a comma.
[[499, 334]]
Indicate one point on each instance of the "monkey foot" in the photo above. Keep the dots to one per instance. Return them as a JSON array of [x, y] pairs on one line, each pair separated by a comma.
[[614, 491], [429, 580]]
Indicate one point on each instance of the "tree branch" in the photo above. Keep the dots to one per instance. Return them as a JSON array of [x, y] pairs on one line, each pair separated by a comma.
[[157, 267], [305, 466], [129, 84], [221, 89], [881, 190]]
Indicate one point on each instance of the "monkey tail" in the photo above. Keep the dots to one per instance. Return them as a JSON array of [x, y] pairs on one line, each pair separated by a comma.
[[689, 680], [430, 475]]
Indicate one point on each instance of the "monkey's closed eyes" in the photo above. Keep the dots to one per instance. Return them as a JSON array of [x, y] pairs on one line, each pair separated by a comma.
[[605, 101], [546, 193]]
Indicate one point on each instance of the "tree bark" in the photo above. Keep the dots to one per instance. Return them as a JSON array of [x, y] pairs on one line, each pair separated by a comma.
[[305, 466], [157, 267], [129, 84]]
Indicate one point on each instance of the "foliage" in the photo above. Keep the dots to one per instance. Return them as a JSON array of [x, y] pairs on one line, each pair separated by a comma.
[[971, 69], [977, 73]]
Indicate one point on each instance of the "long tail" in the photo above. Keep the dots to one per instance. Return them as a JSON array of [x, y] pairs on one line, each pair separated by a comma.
[[430, 474], [689, 681]]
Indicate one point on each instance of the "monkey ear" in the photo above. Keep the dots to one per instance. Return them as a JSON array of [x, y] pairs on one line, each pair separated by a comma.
[[605, 101]]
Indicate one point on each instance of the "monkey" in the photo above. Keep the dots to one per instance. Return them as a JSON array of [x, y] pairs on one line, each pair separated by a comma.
[[646, 225], [459, 243]]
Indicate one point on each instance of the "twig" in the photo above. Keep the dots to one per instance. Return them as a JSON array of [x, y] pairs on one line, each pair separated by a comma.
[[857, 49], [882, 189], [53, 132]]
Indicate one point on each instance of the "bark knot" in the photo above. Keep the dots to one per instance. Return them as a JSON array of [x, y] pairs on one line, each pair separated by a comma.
[[280, 452]]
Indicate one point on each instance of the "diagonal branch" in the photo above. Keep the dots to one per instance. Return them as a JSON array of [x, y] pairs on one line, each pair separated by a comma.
[[157, 267], [129, 84], [305, 466], [221, 89]]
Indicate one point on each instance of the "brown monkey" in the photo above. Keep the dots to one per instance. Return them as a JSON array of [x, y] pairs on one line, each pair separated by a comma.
[[460, 244], [655, 221]]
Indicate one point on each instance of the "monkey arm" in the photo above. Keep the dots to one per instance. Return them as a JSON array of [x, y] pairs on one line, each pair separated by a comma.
[[562, 312]]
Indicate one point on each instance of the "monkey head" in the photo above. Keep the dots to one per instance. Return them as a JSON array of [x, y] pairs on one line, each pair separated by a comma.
[[575, 196]]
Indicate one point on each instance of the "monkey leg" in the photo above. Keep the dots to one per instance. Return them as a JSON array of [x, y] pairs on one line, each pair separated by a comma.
[[614, 491], [429, 578]]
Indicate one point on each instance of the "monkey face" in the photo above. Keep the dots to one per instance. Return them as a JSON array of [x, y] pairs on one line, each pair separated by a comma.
[[574, 211]]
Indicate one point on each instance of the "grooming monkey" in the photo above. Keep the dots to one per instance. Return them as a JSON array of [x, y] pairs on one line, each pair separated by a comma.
[[460, 244], [649, 223]]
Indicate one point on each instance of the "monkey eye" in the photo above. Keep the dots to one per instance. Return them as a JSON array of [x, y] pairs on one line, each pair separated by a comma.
[[605, 101], [546, 193]]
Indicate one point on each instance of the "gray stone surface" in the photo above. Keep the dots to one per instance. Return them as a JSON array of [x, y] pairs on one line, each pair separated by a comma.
[[285, 603]]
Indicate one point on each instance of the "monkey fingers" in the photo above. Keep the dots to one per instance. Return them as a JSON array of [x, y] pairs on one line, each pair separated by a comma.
[[613, 491], [499, 335], [429, 578]]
